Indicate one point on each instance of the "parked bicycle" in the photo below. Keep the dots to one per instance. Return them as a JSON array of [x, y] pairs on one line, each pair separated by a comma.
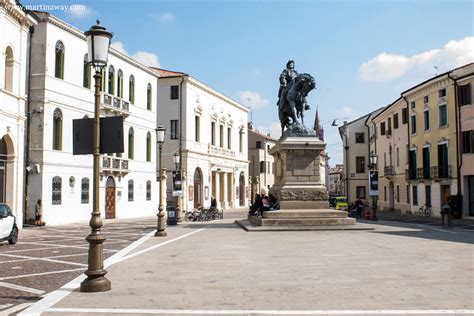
[[204, 214], [424, 211]]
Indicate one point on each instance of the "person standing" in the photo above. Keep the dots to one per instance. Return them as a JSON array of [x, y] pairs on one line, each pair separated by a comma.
[[39, 213]]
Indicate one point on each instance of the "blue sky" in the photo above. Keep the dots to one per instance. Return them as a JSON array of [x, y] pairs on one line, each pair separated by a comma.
[[363, 54]]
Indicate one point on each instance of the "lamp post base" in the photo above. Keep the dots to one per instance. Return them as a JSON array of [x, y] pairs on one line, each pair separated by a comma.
[[161, 234], [96, 284]]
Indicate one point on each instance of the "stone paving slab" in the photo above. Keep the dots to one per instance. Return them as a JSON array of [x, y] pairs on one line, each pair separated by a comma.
[[223, 268]]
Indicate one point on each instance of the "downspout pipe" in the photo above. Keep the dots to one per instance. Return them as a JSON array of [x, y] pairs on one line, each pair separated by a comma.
[[458, 134]]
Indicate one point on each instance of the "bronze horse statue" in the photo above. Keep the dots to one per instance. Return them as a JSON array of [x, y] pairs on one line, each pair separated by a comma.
[[293, 103]]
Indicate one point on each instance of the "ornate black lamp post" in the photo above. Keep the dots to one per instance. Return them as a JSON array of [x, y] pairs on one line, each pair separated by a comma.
[[98, 42], [160, 139], [373, 166], [176, 160]]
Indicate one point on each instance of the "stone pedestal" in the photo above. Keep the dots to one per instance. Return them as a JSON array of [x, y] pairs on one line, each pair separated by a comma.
[[297, 175]]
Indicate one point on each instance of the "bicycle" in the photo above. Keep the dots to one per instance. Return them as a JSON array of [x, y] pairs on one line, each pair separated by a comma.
[[424, 211]]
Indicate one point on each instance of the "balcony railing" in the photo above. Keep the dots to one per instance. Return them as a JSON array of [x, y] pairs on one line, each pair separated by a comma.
[[441, 172], [411, 174], [114, 165], [115, 104], [389, 171], [221, 151]]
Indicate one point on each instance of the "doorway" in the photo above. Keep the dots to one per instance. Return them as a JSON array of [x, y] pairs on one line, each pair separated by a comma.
[[197, 188], [110, 198], [391, 196], [470, 187], [242, 189], [3, 170]]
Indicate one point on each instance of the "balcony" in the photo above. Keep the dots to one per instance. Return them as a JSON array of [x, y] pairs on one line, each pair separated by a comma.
[[119, 106], [411, 174], [221, 151], [114, 165], [389, 171], [441, 172]]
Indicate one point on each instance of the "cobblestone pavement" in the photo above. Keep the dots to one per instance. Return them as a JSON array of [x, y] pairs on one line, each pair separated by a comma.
[[46, 258]]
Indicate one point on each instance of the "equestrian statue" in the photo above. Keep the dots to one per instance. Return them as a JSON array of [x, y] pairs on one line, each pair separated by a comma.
[[292, 101]]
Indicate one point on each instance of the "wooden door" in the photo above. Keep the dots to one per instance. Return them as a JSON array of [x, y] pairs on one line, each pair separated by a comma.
[[110, 198]]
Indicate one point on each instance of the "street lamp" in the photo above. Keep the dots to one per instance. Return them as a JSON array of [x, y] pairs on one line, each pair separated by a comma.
[[160, 139], [98, 42], [176, 160], [373, 166]]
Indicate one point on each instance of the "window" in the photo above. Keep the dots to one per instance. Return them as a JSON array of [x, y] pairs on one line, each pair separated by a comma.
[[395, 120], [131, 89], [213, 133], [443, 161], [443, 115], [57, 188], [148, 97], [398, 193], [408, 194], [425, 99], [174, 129], [229, 138], [426, 163], [412, 164], [130, 144], [9, 69], [428, 196], [468, 142], [262, 166], [85, 191], [360, 192], [382, 128], [359, 138], [404, 115], [398, 156], [59, 60], [241, 140], [120, 83], [389, 126], [360, 164], [174, 92], [86, 74], [197, 128], [130, 190], [57, 130], [413, 124], [221, 135], [148, 146], [148, 190], [385, 193], [426, 120], [464, 94], [412, 104], [442, 93], [102, 79], [258, 144], [111, 80], [415, 195]]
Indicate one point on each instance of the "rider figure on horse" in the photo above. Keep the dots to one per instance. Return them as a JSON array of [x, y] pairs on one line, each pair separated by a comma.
[[286, 78]]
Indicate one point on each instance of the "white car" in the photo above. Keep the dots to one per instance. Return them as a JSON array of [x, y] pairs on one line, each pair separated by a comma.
[[8, 228]]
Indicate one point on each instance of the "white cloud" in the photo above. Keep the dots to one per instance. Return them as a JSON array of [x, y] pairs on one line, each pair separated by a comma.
[[252, 99], [274, 129], [388, 66], [145, 58], [79, 11], [163, 17]]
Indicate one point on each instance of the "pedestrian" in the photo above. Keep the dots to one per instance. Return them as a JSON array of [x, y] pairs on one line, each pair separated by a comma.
[[39, 213]]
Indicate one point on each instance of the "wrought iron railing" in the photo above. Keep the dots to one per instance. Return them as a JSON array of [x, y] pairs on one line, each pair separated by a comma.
[[441, 172], [389, 171], [115, 104]]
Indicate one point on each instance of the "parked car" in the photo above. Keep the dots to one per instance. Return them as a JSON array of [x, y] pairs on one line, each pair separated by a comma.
[[8, 227], [341, 203]]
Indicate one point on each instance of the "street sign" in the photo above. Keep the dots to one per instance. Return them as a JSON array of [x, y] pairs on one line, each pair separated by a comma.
[[373, 183], [111, 135]]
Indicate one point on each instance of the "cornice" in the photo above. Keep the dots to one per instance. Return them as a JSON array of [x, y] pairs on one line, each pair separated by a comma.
[[429, 87], [14, 10]]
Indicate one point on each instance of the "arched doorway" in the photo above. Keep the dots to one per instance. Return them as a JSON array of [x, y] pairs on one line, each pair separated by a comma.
[[197, 188], [3, 170], [110, 198], [242, 189]]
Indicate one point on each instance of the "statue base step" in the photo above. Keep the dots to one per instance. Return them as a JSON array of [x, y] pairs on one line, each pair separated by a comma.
[[322, 217]]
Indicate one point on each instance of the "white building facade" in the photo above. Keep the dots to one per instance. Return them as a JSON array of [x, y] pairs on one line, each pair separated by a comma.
[[14, 26], [207, 129], [61, 90]]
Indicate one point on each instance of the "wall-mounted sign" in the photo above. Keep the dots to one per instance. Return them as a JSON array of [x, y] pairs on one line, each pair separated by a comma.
[[373, 183]]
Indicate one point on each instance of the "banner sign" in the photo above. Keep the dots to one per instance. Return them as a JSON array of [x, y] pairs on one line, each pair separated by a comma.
[[373, 183]]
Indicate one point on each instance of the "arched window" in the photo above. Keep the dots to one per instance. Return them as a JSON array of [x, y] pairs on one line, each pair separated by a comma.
[[86, 77], [57, 130], [148, 147], [131, 90], [120, 83], [102, 79], [148, 190], [9, 69], [111, 79], [57, 188], [130, 143], [148, 97], [130, 190], [59, 60], [85, 191]]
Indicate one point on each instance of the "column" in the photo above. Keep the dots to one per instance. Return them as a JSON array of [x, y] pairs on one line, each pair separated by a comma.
[[225, 203], [218, 189]]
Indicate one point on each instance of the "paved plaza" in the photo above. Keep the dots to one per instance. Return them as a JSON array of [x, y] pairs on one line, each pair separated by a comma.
[[218, 268]]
